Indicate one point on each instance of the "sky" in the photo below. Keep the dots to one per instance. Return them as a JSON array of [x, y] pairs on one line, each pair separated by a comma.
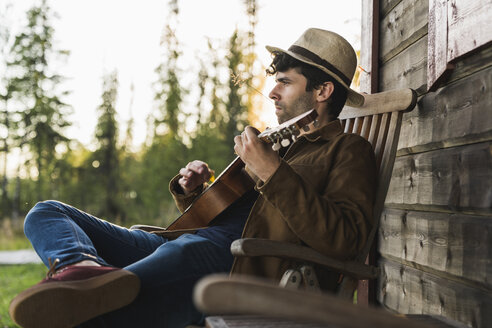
[[104, 35]]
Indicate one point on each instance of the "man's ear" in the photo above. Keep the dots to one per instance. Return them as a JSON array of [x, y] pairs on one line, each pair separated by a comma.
[[325, 91]]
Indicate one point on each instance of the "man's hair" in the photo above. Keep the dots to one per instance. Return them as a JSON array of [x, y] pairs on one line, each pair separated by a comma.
[[315, 78]]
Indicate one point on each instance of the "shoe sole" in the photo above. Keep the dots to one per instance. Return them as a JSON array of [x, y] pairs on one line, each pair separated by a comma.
[[69, 303]]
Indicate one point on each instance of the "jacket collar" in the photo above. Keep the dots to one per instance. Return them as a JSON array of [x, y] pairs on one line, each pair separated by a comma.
[[326, 132]]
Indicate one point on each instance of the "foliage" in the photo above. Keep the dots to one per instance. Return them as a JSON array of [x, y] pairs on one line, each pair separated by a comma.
[[116, 180], [169, 92], [36, 89], [106, 158]]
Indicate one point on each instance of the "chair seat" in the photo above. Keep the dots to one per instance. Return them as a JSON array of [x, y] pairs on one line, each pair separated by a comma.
[[249, 321]]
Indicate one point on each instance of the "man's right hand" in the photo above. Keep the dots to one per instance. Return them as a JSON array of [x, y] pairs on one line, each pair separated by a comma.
[[194, 175]]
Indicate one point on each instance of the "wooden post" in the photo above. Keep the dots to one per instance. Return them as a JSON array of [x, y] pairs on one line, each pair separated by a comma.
[[366, 290], [369, 52]]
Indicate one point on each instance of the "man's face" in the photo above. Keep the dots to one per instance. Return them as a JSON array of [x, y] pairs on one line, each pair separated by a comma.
[[290, 95]]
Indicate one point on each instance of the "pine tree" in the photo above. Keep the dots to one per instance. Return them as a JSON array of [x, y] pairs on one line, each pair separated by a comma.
[[169, 93], [5, 115], [36, 91], [166, 153], [105, 159], [253, 78], [237, 110], [128, 141], [209, 143]]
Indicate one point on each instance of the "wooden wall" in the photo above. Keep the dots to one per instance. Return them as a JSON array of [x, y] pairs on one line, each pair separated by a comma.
[[435, 239]]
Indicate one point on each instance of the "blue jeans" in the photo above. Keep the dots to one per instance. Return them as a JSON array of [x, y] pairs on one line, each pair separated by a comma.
[[168, 269]]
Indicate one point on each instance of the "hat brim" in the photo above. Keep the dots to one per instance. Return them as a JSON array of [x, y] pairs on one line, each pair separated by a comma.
[[354, 99]]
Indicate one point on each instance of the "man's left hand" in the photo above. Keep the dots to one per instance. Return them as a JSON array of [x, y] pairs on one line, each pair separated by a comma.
[[256, 154]]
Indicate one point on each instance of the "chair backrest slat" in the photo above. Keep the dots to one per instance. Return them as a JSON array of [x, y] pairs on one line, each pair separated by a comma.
[[357, 125], [374, 129], [349, 123], [366, 127], [382, 135], [378, 121]]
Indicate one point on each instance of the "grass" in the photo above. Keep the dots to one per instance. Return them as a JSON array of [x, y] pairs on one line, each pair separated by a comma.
[[13, 279]]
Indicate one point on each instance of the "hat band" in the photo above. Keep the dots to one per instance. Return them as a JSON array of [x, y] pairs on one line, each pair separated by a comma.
[[319, 61]]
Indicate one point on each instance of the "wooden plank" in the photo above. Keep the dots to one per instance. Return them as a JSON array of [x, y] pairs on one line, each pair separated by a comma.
[[468, 26], [366, 126], [457, 114], [468, 65], [374, 131], [381, 141], [406, 70], [404, 25], [456, 179], [251, 321], [369, 46], [385, 6], [407, 290], [349, 123], [382, 102], [437, 60], [450, 243], [357, 125], [263, 247], [387, 162]]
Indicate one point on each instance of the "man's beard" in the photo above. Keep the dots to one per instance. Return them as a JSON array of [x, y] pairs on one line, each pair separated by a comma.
[[299, 106]]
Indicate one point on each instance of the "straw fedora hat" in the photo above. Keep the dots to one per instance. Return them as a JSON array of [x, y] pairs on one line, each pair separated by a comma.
[[329, 52]]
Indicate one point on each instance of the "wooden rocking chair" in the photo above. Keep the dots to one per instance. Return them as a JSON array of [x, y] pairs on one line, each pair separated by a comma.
[[379, 121]]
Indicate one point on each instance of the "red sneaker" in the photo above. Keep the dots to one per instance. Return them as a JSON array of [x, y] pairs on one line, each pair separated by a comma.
[[74, 295]]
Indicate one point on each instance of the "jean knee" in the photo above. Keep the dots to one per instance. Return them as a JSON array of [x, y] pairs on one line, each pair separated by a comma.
[[34, 216]]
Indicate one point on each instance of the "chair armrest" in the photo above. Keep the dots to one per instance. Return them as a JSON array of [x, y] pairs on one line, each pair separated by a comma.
[[148, 228], [220, 294], [264, 247]]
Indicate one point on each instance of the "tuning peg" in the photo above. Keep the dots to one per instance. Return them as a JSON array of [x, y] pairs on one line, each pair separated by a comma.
[[276, 146], [285, 142]]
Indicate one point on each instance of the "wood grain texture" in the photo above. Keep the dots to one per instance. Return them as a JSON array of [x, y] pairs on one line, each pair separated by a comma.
[[249, 321], [457, 114], [265, 247], [379, 103], [247, 295], [455, 244], [404, 24], [474, 62], [437, 60], [369, 46], [406, 70], [385, 7], [407, 290], [457, 179], [468, 26]]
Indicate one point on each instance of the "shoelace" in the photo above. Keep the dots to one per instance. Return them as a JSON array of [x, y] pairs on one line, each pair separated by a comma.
[[52, 269]]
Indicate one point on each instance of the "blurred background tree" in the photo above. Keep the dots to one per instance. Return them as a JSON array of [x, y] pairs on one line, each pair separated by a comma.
[[35, 115], [116, 180]]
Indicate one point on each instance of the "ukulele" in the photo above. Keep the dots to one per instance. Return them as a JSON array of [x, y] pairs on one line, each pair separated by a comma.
[[234, 181]]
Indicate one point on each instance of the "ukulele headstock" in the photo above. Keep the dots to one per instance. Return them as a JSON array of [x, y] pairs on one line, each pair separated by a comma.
[[287, 132]]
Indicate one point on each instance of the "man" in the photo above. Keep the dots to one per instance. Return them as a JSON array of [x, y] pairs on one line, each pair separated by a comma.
[[318, 193]]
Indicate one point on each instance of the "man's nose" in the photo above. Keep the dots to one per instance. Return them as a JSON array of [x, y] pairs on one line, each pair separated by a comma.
[[274, 94]]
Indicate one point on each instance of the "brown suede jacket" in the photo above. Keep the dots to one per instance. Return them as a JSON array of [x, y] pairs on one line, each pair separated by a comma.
[[321, 196]]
